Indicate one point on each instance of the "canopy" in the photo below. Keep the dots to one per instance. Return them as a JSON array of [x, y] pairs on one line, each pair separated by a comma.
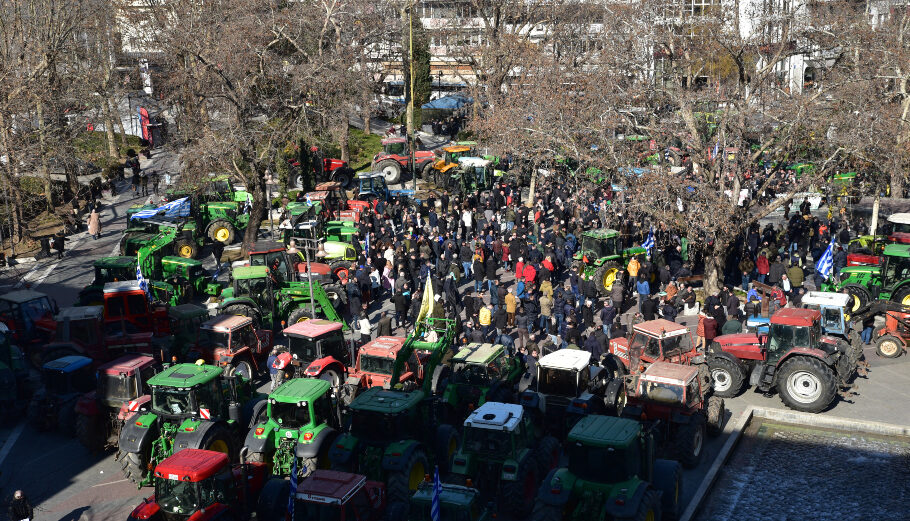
[[451, 102], [178, 208]]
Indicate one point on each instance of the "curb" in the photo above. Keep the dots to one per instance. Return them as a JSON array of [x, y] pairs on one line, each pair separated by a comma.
[[786, 416]]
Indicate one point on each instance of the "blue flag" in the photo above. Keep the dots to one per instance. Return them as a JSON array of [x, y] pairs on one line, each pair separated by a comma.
[[825, 263], [437, 492], [178, 208], [143, 284], [649, 242], [293, 491]]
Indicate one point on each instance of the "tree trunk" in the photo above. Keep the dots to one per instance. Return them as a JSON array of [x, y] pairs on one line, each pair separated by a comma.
[[343, 141], [44, 170], [715, 260], [897, 183], [256, 188], [367, 127], [112, 151], [406, 67], [118, 123]]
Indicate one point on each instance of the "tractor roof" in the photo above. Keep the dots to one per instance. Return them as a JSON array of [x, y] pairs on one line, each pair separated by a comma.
[[826, 298], [186, 375], [661, 328], [191, 465], [172, 259], [318, 195], [330, 487], [897, 250], [226, 323], [899, 218], [567, 359], [21, 296], [68, 364], [605, 431], [122, 286], [186, 311], [328, 186], [666, 373], [383, 347], [300, 390], [386, 401], [266, 247], [601, 233], [312, 328], [116, 262], [796, 317], [250, 272], [495, 416], [459, 496], [80, 313], [457, 149], [474, 162], [481, 354], [370, 175], [127, 365], [394, 140]]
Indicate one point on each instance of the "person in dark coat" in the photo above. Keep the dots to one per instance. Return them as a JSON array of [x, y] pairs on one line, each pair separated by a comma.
[[710, 330], [500, 320], [592, 345], [402, 304], [20, 508], [58, 243], [607, 315], [384, 326], [648, 308], [587, 314], [354, 298], [669, 311]]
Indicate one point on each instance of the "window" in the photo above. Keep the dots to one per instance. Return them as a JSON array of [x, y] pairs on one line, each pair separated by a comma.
[[83, 332], [115, 307], [334, 346], [324, 411], [136, 304], [208, 396]]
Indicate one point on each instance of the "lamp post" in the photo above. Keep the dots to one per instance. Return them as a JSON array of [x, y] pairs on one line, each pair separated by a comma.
[[412, 132], [268, 199]]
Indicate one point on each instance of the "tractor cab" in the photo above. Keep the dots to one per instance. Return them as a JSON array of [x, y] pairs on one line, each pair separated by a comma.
[[669, 385], [328, 495], [652, 341], [124, 380], [376, 362], [193, 480], [456, 503], [190, 390], [126, 306], [450, 157], [564, 373], [372, 187], [481, 373], [114, 269], [68, 376], [900, 228], [316, 343], [185, 320], [257, 283], [396, 146], [473, 174], [29, 315], [600, 244], [833, 307], [790, 329], [231, 342]]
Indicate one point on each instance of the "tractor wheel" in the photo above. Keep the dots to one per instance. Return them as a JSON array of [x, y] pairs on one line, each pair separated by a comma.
[[66, 419], [400, 485], [426, 171], [902, 296], [332, 376], [518, 495], [391, 170], [244, 311], [273, 499], [727, 377], [134, 465], [337, 295], [716, 413], [860, 295], [648, 510], [689, 443], [668, 479], [340, 269], [299, 315], [446, 446], [88, 432], [243, 368], [221, 231], [186, 249], [343, 175], [605, 276], [806, 384], [548, 454], [219, 439], [889, 346], [545, 512]]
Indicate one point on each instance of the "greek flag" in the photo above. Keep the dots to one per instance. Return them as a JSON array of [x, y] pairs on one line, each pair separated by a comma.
[[293, 491], [309, 201], [437, 492], [367, 247], [178, 208], [716, 150], [649, 242], [142, 282], [826, 263]]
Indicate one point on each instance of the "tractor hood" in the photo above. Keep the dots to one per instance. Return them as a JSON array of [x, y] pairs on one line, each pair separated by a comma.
[[872, 270]]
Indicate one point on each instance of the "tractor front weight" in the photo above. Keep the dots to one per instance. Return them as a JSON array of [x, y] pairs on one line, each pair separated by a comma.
[[283, 460], [162, 448]]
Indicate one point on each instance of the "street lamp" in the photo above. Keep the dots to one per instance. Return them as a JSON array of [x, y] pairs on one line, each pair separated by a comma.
[[268, 204]]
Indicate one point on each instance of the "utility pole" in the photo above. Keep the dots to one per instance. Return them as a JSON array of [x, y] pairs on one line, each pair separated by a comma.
[[412, 132]]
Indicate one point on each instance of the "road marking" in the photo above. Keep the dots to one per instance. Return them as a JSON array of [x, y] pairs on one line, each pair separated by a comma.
[[111, 483], [34, 284], [8, 446]]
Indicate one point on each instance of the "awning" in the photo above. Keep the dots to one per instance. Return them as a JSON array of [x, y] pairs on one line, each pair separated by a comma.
[[451, 102]]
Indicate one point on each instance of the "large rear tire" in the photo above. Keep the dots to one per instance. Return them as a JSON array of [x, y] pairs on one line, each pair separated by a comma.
[[391, 170], [134, 465], [343, 175], [716, 413], [400, 485], [548, 454], [518, 496], [242, 367], [219, 439], [88, 432], [244, 311], [668, 479], [648, 510], [806, 384], [337, 295], [861, 297], [273, 499], [605, 277], [186, 249], [221, 231], [341, 269], [689, 443], [334, 379], [299, 315], [726, 376]]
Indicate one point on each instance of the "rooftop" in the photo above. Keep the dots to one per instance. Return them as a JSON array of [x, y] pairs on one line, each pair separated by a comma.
[[116, 262], [897, 250], [312, 328], [300, 389], [122, 285], [567, 359], [127, 364], [80, 313], [330, 486], [825, 298], [186, 311], [191, 465], [605, 431], [661, 328], [474, 162], [68, 364], [478, 353], [673, 374], [495, 416], [250, 272], [226, 323], [384, 346], [386, 401], [796, 317], [24, 295], [186, 375]]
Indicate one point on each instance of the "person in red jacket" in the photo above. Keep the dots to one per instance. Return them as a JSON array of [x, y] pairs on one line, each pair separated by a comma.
[[529, 273], [763, 267], [519, 267]]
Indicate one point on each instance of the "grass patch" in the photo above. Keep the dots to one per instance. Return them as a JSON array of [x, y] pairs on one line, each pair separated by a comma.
[[92, 146], [362, 148]]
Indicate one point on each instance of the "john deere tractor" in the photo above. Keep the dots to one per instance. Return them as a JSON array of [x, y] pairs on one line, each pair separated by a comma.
[[107, 269], [602, 257], [297, 421], [218, 209], [193, 406], [612, 475], [890, 280]]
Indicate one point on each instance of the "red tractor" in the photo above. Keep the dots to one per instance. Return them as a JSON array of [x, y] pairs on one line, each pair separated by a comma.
[[331, 169], [674, 397], [396, 157], [122, 390], [127, 309], [319, 350], [202, 485], [656, 341], [231, 341], [806, 368], [82, 330], [376, 361], [329, 495], [334, 203]]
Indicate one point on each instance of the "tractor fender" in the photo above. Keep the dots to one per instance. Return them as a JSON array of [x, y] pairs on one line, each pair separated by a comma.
[[805, 351], [397, 455], [218, 511], [255, 444], [612, 392], [193, 439], [629, 507], [132, 407], [342, 450], [551, 494], [727, 356], [87, 405], [149, 509], [239, 300], [311, 449], [133, 437], [317, 367], [255, 411], [530, 400]]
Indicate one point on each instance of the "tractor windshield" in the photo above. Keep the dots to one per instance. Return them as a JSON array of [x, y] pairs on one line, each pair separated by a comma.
[[289, 415], [250, 287], [394, 148], [304, 348], [104, 275], [168, 400], [376, 364], [318, 511], [115, 387], [604, 464], [661, 392], [212, 338], [177, 497], [375, 426], [472, 374], [488, 441], [560, 382], [600, 248], [785, 337]]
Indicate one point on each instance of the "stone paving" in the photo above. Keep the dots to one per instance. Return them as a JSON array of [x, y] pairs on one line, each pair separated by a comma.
[[783, 472]]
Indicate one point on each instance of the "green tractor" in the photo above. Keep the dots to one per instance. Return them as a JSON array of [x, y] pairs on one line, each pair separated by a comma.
[[181, 280], [612, 475], [890, 280], [339, 246], [602, 257], [178, 236], [455, 502], [262, 295], [218, 207], [297, 421], [107, 269], [505, 456], [192, 406], [474, 174], [480, 373]]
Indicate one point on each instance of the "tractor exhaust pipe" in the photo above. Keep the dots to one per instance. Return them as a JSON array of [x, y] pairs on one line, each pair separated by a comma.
[[245, 476]]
